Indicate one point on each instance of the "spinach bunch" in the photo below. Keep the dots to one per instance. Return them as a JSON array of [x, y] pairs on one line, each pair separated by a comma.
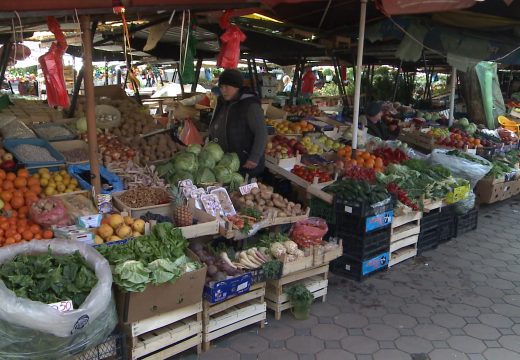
[[49, 278]]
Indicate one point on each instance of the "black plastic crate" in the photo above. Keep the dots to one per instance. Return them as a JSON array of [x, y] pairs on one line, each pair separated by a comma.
[[447, 224], [363, 225], [428, 240], [362, 208], [431, 220], [359, 270], [365, 246], [259, 275], [466, 222], [321, 209], [113, 348]]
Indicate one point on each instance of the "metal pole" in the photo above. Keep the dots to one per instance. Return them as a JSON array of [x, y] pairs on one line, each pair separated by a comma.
[[181, 83], [452, 96], [359, 64], [197, 75], [106, 71], [4, 60], [86, 36]]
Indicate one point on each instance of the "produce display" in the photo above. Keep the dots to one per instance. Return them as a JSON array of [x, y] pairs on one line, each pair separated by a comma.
[[357, 191], [220, 266], [50, 131], [144, 196], [49, 278], [309, 173], [33, 153], [286, 127], [6, 161], [112, 150], [282, 147], [500, 168], [135, 175], [303, 110], [57, 182], [156, 258], [116, 227], [264, 200], [75, 155], [154, 148], [19, 191], [362, 159], [16, 228], [204, 166], [391, 156], [460, 139]]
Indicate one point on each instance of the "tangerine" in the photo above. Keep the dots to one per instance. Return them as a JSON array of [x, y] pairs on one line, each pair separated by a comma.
[[7, 185], [24, 173]]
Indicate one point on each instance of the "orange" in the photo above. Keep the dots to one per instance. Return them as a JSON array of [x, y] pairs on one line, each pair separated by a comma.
[[360, 161], [17, 237], [11, 176], [17, 202], [378, 163], [6, 196], [36, 189], [27, 235], [23, 173], [2, 174], [7, 185], [20, 182], [366, 156], [33, 182], [48, 234], [369, 163], [35, 228], [10, 240], [17, 193], [7, 207]]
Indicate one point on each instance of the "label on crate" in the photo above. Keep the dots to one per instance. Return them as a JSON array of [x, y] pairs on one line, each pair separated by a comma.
[[246, 189], [63, 306], [375, 263], [379, 221]]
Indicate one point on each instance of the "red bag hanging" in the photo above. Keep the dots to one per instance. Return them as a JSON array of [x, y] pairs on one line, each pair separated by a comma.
[[230, 43], [190, 134], [52, 66]]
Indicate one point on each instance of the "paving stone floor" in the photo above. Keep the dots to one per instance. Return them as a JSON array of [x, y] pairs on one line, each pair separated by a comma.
[[460, 301]]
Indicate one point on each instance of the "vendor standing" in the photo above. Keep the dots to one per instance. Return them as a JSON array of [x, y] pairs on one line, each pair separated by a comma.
[[238, 123], [375, 125]]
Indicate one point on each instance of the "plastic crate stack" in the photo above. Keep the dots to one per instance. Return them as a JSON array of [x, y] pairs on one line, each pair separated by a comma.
[[365, 231], [466, 222], [447, 226]]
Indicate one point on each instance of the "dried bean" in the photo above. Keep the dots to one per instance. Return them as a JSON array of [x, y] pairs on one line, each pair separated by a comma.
[[141, 197], [52, 132], [75, 155], [27, 152]]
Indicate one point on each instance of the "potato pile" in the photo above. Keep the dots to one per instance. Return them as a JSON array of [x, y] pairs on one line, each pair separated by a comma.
[[265, 200], [155, 147]]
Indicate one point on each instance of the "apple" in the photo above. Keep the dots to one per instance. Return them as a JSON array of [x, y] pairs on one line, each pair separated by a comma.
[[7, 157]]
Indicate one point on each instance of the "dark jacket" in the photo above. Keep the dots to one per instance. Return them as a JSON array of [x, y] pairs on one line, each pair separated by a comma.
[[380, 130], [239, 126]]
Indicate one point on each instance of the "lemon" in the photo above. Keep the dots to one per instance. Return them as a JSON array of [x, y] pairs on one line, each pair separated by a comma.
[[74, 182], [44, 182], [58, 178], [66, 181], [61, 188], [50, 191], [63, 172], [51, 184], [36, 176], [45, 175], [69, 190], [43, 171]]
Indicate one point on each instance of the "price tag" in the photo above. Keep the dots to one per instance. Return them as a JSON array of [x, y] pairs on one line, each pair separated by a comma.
[[62, 306], [246, 189]]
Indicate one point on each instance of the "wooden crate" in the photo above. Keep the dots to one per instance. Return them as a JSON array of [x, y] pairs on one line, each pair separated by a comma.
[[324, 257], [403, 253], [405, 226], [418, 140], [166, 335], [236, 313], [315, 279]]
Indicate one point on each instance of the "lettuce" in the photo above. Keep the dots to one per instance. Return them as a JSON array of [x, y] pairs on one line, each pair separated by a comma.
[[185, 161], [206, 159], [223, 174], [231, 161], [215, 151]]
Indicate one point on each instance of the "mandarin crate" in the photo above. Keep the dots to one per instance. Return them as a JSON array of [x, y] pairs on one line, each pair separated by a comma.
[[315, 280], [163, 336], [233, 314]]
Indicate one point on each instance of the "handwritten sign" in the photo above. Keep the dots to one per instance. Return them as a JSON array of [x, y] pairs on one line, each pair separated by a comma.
[[246, 189], [62, 306]]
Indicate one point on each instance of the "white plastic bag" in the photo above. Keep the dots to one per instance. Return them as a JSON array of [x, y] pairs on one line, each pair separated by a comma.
[[33, 330], [462, 168]]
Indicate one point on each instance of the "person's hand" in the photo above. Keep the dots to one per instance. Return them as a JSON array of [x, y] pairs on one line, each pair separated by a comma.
[[249, 165]]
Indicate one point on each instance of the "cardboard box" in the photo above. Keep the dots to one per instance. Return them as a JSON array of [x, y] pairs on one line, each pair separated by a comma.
[[74, 232], [156, 300], [222, 290], [488, 192], [275, 113]]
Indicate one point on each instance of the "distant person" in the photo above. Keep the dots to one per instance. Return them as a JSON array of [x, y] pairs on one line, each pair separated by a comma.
[[287, 83], [308, 81], [374, 123]]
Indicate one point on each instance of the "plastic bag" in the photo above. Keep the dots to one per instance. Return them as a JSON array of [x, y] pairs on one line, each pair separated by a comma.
[[33, 330], [78, 205], [190, 135], [309, 232], [49, 211], [462, 168], [466, 205], [52, 66], [16, 130], [230, 43]]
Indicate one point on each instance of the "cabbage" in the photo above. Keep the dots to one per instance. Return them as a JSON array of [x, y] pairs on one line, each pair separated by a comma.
[[215, 150], [223, 174], [185, 161], [206, 159], [231, 161], [81, 125], [236, 181], [194, 148], [205, 176], [174, 178]]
